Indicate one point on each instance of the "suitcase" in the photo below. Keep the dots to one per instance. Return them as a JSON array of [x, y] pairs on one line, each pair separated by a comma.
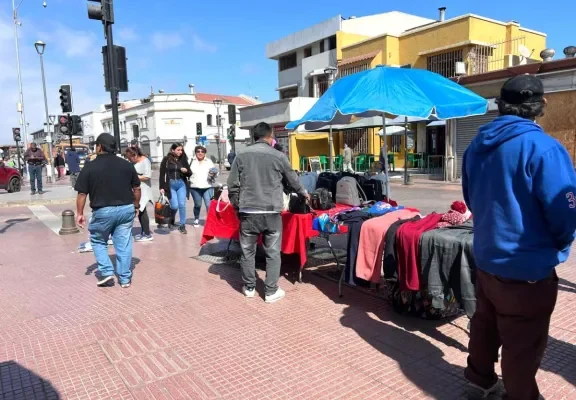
[[361, 179], [374, 190], [328, 180], [380, 178]]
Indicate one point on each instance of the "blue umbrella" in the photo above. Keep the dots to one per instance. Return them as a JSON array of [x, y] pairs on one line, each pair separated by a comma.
[[392, 92]]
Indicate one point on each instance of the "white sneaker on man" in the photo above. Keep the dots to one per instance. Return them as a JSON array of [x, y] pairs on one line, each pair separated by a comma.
[[249, 293], [273, 298]]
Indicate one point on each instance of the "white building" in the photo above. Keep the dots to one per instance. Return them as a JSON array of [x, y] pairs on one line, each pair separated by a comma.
[[166, 118]]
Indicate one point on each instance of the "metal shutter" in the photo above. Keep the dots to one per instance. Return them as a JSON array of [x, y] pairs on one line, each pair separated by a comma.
[[466, 130]]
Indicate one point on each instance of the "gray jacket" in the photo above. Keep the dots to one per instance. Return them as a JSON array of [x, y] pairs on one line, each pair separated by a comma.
[[255, 180]]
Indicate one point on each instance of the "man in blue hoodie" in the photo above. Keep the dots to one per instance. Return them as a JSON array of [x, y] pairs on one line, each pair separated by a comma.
[[520, 185]]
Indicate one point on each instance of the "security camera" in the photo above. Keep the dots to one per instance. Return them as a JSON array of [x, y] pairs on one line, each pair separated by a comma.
[[44, 4]]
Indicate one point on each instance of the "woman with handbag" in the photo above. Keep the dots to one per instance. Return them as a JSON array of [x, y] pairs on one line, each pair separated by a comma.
[[204, 174], [144, 169], [174, 175]]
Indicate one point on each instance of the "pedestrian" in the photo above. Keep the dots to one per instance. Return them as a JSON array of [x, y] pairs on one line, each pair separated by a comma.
[[203, 175], [174, 182], [520, 185], [231, 157], [73, 160], [256, 189], [60, 165], [382, 160], [144, 169], [114, 189], [35, 159], [348, 156]]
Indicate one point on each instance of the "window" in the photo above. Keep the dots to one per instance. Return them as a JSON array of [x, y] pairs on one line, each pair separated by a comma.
[[209, 120], [445, 63], [357, 139], [396, 144], [310, 87], [308, 52], [289, 93], [349, 70], [332, 42], [322, 84], [322, 46], [145, 123], [287, 62]]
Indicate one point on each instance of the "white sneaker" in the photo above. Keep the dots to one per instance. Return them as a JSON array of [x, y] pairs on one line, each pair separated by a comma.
[[273, 298], [476, 392], [250, 293], [196, 223]]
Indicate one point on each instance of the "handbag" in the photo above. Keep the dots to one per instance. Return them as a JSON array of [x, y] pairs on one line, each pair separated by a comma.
[[298, 204], [222, 197], [162, 211]]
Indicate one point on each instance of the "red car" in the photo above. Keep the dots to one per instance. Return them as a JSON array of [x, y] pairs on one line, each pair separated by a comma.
[[10, 178]]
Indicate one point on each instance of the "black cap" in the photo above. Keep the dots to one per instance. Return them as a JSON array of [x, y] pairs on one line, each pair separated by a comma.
[[522, 89], [107, 140]]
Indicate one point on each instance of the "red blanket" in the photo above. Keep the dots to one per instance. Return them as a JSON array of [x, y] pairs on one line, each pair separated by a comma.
[[407, 247], [297, 228]]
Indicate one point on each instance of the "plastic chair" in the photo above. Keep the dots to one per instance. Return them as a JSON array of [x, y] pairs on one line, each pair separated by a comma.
[[303, 163], [392, 161], [370, 162], [323, 162], [338, 161], [360, 163]]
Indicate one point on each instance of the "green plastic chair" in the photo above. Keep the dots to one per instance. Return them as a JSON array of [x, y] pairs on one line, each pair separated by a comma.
[[338, 161], [369, 162], [392, 161], [303, 163], [411, 160], [323, 162], [360, 162]]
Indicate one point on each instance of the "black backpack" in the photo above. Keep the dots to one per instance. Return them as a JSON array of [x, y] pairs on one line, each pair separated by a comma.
[[321, 199], [328, 180], [298, 204]]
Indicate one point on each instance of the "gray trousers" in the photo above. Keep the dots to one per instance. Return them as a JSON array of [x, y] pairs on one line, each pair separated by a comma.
[[270, 226], [74, 178]]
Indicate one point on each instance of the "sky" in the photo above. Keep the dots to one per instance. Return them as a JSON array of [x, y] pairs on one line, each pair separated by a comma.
[[219, 47]]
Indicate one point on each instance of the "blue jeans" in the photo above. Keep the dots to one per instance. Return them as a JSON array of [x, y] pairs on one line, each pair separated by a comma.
[[199, 195], [35, 172], [178, 193], [118, 222]]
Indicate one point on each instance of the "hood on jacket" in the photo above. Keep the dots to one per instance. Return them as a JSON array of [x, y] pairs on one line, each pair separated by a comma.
[[501, 130]]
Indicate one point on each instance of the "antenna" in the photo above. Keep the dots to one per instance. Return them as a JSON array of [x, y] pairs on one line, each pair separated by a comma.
[[524, 51]]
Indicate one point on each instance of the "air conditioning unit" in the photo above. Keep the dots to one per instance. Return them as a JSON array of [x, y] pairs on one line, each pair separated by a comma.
[[460, 68]]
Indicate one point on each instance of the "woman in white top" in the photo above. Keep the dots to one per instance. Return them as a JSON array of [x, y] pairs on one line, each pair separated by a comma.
[[143, 167], [203, 175]]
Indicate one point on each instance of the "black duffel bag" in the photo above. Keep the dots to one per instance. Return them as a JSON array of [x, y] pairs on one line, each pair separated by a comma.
[[321, 199], [298, 204]]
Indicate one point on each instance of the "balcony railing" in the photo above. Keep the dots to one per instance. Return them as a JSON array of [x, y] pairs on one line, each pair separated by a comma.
[[495, 56]]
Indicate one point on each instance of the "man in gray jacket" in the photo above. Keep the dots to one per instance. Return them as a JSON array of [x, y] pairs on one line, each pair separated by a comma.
[[255, 187]]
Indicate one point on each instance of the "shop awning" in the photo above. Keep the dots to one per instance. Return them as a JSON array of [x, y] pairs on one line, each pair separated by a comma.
[[292, 85], [437, 123]]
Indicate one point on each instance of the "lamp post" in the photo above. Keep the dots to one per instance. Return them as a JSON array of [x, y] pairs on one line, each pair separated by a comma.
[[331, 72], [20, 90], [52, 131], [40, 47], [218, 104]]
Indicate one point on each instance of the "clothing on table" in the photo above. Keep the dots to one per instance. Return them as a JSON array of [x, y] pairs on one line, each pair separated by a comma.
[[177, 198], [144, 169], [170, 170], [201, 195], [118, 222], [515, 315], [73, 161], [35, 172], [408, 248], [390, 260], [448, 266], [354, 221], [270, 227], [382, 208], [520, 184], [371, 245]]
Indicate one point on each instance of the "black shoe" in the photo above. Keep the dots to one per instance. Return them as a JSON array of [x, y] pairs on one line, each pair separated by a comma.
[[106, 281], [182, 229], [33, 192], [40, 192]]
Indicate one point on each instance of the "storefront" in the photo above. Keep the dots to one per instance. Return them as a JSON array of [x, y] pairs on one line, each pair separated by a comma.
[[466, 130]]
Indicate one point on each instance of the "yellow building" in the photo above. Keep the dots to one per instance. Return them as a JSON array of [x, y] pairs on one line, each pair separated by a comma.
[[465, 45]]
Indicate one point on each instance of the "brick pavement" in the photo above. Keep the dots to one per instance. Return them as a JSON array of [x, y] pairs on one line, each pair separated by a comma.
[[184, 331]]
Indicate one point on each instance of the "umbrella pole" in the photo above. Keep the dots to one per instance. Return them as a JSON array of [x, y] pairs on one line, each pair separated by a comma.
[[406, 182], [386, 169], [330, 149]]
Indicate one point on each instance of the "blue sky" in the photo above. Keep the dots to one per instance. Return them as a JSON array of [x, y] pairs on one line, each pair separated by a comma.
[[221, 49]]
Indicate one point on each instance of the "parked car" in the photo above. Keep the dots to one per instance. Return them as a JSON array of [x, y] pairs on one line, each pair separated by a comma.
[[10, 178]]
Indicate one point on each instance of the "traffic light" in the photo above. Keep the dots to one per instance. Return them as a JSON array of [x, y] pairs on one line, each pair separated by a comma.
[[76, 123], [66, 98], [101, 10], [199, 128], [232, 114], [120, 69], [16, 134], [64, 125]]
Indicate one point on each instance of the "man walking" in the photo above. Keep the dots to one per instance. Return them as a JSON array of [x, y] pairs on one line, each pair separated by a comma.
[[35, 159], [520, 185], [348, 155], [255, 187], [114, 189], [73, 161]]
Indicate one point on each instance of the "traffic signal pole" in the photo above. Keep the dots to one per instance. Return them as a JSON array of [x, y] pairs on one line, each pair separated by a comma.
[[112, 80]]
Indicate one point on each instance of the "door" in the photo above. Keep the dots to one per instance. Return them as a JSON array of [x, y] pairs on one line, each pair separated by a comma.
[[466, 130]]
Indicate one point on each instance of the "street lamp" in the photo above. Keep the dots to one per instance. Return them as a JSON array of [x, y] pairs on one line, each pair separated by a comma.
[[218, 104], [331, 72], [40, 46]]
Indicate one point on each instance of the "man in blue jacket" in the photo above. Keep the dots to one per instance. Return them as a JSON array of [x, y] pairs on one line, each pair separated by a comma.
[[520, 185]]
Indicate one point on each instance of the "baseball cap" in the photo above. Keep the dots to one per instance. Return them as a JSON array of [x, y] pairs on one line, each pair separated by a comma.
[[522, 89], [107, 140]]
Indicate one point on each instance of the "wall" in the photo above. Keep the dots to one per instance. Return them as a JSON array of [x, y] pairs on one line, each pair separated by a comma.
[[309, 145], [344, 39], [560, 120], [365, 47]]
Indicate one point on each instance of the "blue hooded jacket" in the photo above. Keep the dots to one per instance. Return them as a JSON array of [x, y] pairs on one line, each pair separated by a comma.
[[520, 185]]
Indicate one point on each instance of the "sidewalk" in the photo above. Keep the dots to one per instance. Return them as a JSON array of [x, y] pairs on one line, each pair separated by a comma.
[[184, 331]]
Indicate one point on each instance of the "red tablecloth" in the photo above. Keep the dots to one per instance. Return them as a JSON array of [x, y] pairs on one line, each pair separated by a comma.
[[297, 228]]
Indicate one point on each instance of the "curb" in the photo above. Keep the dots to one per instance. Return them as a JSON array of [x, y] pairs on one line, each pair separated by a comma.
[[23, 203]]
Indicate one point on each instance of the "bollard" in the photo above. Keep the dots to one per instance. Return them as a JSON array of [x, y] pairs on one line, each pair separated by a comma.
[[69, 226]]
